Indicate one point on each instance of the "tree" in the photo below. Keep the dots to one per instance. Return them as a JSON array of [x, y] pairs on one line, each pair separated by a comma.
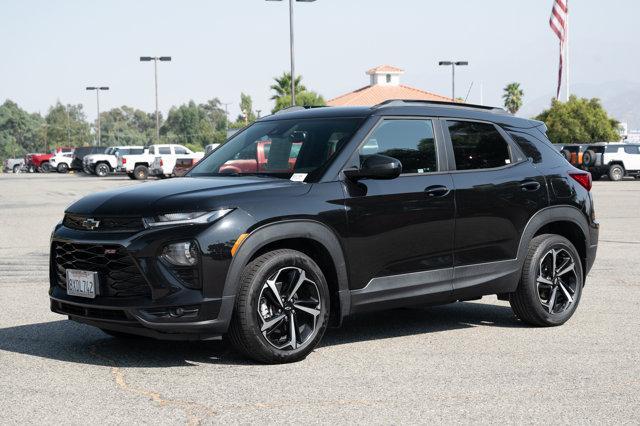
[[246, 109], [282, 94], [20, 131], [513, 97], [579, 120], [127, 126], [194, 125], [66, 125]]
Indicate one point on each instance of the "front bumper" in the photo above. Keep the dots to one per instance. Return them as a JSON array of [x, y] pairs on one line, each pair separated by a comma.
[[169, 309]]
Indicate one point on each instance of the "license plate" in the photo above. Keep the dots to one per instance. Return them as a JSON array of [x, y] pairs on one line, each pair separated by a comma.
[[82, 283]]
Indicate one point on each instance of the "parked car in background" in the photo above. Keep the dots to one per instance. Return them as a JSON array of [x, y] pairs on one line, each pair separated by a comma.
[[183, 165], [211, 147], [61, 162], [40, 162], [106, 162], [14, 165], [79, 154], [254, 159], [573, 153], [615, 160], [165, 161]]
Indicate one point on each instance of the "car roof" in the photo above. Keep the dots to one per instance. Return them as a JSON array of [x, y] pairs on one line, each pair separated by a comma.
[[408, 108]]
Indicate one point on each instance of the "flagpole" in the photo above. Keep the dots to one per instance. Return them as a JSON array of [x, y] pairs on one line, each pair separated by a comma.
[[567, 50]]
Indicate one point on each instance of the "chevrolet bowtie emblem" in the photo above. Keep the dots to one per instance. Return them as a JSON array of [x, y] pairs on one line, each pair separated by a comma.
[[90, 224]]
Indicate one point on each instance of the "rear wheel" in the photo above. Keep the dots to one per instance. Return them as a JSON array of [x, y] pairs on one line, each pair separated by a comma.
[[551, 284], [141, 172], [16, 168], [588, 158], [282, 307], [566, 154], [102, 170], [616, 172], [63, 168]]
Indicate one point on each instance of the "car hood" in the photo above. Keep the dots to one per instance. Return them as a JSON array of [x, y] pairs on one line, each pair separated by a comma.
[[183, 195]]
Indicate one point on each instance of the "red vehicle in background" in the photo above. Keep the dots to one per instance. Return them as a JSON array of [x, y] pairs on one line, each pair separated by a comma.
[[253, 159], [40, 162]]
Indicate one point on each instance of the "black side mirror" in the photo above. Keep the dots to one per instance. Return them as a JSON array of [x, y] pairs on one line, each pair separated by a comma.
[[376, 166]]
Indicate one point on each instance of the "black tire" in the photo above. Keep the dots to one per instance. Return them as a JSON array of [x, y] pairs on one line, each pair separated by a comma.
[[45, 167], [102, 169], [589, 158], [63, 168], [141, 172], [131, 175], [616, 172], [245, 331], [31, 169], [16, 168], [566, 154], [526, 301], [120, 334]]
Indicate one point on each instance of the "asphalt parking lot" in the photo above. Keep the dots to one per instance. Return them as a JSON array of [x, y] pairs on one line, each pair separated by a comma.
[[460, 363]]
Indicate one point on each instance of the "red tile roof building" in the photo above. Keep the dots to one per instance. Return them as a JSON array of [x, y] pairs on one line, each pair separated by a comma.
[[384, 85]]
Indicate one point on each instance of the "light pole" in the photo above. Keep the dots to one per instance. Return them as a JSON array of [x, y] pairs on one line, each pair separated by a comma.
[[293, 68], [98, 89], [453, 66], [155, 60]]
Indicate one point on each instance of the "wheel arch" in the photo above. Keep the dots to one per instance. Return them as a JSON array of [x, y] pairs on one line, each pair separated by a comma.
[[313, 238]]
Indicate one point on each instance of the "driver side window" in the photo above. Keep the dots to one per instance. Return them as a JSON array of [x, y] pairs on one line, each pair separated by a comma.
[[412, 142]]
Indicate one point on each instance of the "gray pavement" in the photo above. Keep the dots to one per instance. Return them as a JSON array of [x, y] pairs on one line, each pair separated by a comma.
[[460, 363]]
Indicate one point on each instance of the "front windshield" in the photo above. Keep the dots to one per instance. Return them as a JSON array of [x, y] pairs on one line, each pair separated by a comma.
[[280, 148]]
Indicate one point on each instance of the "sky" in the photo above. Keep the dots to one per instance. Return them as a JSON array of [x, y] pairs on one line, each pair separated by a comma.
[[51, 50]]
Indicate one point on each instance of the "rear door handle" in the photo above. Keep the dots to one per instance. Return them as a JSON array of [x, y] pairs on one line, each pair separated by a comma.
[[436, 191], [530, 185]]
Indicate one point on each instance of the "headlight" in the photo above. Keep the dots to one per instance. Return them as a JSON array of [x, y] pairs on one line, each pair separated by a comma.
[[192, 218], [181, 254]]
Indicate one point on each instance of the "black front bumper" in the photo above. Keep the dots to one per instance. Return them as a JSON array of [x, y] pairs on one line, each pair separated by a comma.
[[168, 309]]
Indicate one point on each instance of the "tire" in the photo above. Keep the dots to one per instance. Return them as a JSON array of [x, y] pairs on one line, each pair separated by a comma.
[[45, 167], [102, 169], [588, 158], [566, 154], [255, 299], [141, 172], [63, 168], [596, 176], [616, 172], [16, 168], [527, 301], [131, 175]]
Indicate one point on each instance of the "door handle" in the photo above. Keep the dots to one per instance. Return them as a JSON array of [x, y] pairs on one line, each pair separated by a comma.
[[436, 191], [530, 185]]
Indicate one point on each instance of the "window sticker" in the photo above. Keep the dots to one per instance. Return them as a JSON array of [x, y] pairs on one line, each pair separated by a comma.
[[298, 177]]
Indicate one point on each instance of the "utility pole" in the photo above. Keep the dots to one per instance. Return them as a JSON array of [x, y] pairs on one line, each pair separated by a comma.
[[453, 65], [98, 89], [155, 60]]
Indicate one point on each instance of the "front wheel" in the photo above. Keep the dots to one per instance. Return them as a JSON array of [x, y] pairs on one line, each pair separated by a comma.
[[102, 170], [551, 283], [282, 307], [63, 168], [616, 172], [45, 167]]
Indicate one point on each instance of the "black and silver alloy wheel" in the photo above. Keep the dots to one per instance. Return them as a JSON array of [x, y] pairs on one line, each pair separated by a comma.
[[557, 280], [289, 306], [281, 309], [551, 283]]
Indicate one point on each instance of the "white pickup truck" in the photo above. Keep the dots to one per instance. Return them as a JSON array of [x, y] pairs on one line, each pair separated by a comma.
[[165, 162], [107, 162], [137, 166]]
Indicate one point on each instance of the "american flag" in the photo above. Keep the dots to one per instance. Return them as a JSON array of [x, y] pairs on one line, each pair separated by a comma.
[[558, 22]]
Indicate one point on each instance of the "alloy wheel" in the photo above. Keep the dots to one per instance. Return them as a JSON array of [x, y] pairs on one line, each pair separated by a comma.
[[617, 173], [557, 280], [288, 308]]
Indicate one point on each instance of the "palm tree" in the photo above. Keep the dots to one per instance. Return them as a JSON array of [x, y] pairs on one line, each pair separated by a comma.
[[282, 87], [513, 97]]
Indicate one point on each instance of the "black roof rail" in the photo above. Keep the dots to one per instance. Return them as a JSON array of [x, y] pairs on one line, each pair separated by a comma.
[[296, 108], [403, 102]]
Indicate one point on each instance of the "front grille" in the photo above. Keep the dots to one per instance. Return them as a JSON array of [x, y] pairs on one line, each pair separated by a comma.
[[104, 223], [118, 275]]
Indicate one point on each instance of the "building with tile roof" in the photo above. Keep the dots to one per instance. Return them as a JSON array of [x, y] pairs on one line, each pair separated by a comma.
[[384, 84]]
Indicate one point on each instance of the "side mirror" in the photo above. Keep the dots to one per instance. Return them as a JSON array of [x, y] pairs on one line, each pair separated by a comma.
[[376, 167]]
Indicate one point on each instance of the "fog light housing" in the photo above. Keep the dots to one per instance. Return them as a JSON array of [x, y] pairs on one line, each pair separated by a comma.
[[181, 254]]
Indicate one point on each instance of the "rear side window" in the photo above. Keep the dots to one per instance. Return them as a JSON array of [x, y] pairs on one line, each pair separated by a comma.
[[611, 150], [410, 141], [528, 145], [180, 150], [478, 145], [164, 150], [631, 149]]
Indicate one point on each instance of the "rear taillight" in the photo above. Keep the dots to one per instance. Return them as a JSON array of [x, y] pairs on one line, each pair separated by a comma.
[[124, 161], [584, 179], [161, 163]]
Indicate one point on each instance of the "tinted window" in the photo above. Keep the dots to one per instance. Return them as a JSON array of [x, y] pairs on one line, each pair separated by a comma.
[[611, 149], [164, 150], [409, 141], [631, 149], [477, 145], [180, 150], [527, 144]]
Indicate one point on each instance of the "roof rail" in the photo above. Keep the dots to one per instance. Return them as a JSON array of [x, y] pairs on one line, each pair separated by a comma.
[[297, 108], [402, 102]]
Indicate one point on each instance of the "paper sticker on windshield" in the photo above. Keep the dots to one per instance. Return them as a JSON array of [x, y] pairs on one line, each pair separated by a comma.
[[298, 177]]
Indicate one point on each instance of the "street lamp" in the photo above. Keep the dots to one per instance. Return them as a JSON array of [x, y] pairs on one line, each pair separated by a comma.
[[293, 68], [98, 89], [453, 66], [155, 60]]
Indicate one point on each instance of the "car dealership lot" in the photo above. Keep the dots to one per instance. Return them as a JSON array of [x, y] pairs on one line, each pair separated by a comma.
[[467, 362]]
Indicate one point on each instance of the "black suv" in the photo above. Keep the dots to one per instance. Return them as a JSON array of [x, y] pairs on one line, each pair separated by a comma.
[[308, 216]]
